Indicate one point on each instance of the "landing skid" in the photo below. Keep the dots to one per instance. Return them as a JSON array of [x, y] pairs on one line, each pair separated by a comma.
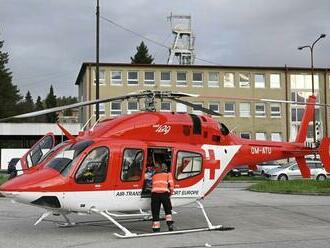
[[67, 222], [128, 234], [183, 231]]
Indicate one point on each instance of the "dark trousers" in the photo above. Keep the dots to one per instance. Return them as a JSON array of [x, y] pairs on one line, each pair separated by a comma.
[[156, 200]]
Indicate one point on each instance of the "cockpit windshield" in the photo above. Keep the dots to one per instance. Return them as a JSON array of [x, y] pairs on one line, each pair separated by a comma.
[[62, 161], [53, 150]]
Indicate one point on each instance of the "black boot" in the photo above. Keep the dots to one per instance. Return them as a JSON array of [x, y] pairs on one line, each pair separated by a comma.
[[156, 229], [170, 225]]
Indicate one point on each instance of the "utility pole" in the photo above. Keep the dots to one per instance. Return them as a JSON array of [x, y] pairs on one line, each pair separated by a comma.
[[311, 48], [97, 71]]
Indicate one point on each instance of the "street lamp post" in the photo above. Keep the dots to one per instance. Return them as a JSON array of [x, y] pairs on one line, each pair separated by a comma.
[[311, 47]]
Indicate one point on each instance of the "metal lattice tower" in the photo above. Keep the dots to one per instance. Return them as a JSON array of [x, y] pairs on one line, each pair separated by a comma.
[[183, 45]]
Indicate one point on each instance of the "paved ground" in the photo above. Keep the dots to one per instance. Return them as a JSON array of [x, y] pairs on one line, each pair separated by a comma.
[[261, 220]]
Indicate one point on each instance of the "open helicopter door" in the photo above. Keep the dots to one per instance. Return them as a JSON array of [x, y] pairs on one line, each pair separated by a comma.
[[156, 155], [37, 152]]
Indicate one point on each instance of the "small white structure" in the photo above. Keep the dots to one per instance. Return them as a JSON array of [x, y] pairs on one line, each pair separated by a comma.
[[30, 131]]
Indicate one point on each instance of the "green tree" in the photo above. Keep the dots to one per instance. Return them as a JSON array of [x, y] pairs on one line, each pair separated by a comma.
[[51, 103], [142, 55], [26, 106], [28, 103], [39, 106], [9, 94], [62, 101]]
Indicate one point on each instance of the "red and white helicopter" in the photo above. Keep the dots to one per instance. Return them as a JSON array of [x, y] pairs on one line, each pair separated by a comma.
[[102, 170]]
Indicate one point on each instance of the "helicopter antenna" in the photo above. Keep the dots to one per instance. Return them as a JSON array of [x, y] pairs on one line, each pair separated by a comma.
[[97, 121], [85, 125]]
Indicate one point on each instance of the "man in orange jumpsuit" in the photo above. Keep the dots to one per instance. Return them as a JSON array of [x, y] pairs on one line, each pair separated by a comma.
[[162, 188]]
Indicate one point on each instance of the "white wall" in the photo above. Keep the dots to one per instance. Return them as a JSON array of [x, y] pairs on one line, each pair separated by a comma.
[[36, 128], [8, 154]]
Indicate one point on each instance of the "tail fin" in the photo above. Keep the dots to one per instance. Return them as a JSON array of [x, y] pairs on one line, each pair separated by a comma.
[[304, 169], [307, 117], [324, 153]]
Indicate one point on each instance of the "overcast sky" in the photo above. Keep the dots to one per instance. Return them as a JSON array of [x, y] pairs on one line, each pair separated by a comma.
[[47, 41]]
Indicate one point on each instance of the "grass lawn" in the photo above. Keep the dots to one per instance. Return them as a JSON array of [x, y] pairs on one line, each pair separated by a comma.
[[293, 187], [3, 179]]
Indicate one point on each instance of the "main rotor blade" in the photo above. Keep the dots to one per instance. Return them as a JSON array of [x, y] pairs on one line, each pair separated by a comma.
[[195, 106], [146, 93], [267, 100], [75, 105]]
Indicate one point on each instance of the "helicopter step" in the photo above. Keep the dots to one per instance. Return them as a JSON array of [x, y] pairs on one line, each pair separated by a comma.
[[183, 231]]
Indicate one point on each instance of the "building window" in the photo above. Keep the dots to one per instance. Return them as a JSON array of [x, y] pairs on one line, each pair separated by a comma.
[[259, 81], [228, 80], [275, 110], [181, 79], [195, 110], [214, 106], [197, 79], [165, 106], [244, 109], [132, 78], [101, 109], [115, 108], [260, 136], [229, 109], [213, 79], [245, 135], [297, 114], [165, 78], [101, 77], [303, 82], [276, 137], [149, 78], [181, 108], [116, 78], [132, 106], [275, 82], [260, 110], [244, 81]]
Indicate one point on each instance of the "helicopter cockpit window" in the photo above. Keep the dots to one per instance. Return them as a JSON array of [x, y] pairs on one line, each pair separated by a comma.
[[62, 161], [54, 149], [94, 167], [188, 164], [37, 152], [132, 165]]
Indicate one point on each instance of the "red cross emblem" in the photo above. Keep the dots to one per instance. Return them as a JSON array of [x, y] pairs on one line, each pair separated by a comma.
[[212, 164]]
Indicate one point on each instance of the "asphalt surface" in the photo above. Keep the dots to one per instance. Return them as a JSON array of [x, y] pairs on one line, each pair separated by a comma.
[[260, 220]]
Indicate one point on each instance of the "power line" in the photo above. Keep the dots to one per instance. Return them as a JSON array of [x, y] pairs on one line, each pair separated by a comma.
[[135, 33], [146, 38]]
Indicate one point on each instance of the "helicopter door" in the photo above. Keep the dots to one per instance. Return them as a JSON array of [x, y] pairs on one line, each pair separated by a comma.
[[130, 174], [156, 155], [37, 152], [188, 175]]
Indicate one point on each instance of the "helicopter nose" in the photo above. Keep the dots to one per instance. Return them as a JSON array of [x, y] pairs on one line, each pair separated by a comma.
[[28, 188]]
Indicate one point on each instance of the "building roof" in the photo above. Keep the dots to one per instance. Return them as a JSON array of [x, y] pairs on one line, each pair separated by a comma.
[[85, 64]]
